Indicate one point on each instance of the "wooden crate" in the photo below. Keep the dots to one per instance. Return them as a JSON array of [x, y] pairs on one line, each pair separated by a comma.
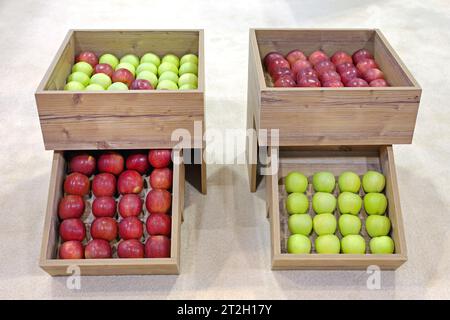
[[125, 119], [57, 267], [309, 160], [332, 116]]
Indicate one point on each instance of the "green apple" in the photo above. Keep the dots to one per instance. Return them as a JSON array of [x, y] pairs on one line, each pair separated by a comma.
[[147, 66], [73, 86], [377, 226], [188, 78], [375, 203], [324, 223], [349, 202], [80, 77], [151, 58], [167, 66], [349, 224], [94, 87], [149, 76], [109, 59], [382, 245], [128, 66], [172, 59], [101, 79], [83, 67], [327, 244], [169, 75], [323, 202], [324, 182], [349, 181], [297, 203], [188, 67], [118, 86], [187, 86], [296, 182], [300, 224], [298, 243], [373, 181], [190, 57], [353, 244], [167, 85], [131, 59]]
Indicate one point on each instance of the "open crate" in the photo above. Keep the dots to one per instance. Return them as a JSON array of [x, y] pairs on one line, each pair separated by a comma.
[[309, 160]]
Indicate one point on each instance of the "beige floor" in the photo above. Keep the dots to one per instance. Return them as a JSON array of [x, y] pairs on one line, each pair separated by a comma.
[[225, 250]]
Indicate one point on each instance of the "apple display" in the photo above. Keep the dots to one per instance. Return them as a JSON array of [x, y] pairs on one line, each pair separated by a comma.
[[71, 250], [349, 181], [333, 84], [327, 244], [98, 249], [167, 66], [104, 228], [150, 57], [131, 228], [158, 201], [285, 81], [80, 77], [271, 56], [104, 68], [375, 203], [159, 224], [77, 184], [317, 56], [82, 163], [118, 86], [157, 247], [381, 245], [349, 224], [366, 64], [101, 79], [161, 178], [323, 66], [171, 58], [131, 248], [110, 59], [160, 158], [299, 65], [124, 76], [147, 66], [141, 84], [300, 224], [104, 207], [111, 162], [131, 59], [377, 226], [329, 76], [84, 67], [324, 223], [130, 181], [166, 85], [360, 55], [138, 161], [353, 244], [188, 67], [323, 202], [190, 57], [357, 82], [87, 56], [169, 75], [308, 81], [324, 182], [73, 86], [349, 202], [340, 57], [149, 76], [298, 244], [71, 206], [378, 83], [130, 205], [296, 182], [373, 181], [373, 74], [294, 56], [297, 203], [188, 78], [72, 229]]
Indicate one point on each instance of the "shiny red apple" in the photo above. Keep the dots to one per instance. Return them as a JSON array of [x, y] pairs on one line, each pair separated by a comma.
[[104, 207], [308, 81], [295, 55], [104, 228], [98, 249], [378, 83], [299, 65], [360, 55], [138, 162], [82, 163], [87, 56], [285, 81], [141, 84], [281, 71], [71, 250], [325, 65], [130, 181], [340, 57], [131, 228], [161, 178], [130, 205], [104, 68], [344, 67], [365, 65], [131, 248], [329, 75], [272, 56], [157, 247], [77, 184], [111, 162], [123, 75], [356, 82], [307, 72], [104, 185], [160, 158], [373, 74], [72, 229], [158, 201], [317, 56], [71, 206], [281, 62], [349, 74], [159, 224]]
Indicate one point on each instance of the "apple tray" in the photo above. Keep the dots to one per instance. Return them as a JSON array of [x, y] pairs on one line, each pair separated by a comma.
[[49, 260], [119, 120], [338, 159], [332, 116]]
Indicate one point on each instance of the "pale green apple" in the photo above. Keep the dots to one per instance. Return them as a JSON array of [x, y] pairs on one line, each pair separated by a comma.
[[94, 87], [323, 202], [188, 67], [101, 79], [298, 244], [83, 67], [188, 78], [187, 86], [375, 203], [147, 66], [172, 59], [128, 66], [296, 182], [297, 203], [149, 76], [382, 245], [373, 181], [324, 182], [349, 181], [73, 86], [118, 86], [167, 66], [349, 202], [324, 223], [131, 59], [327, 244], [109, 59], [169, 75], [151, 58], [353, 244], [377, 226], [300, 224], [167, 85], [80, 77], [349, 224], [190, 57]]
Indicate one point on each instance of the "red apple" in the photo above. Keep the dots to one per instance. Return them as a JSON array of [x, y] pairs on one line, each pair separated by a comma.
[[159, 158], [360, 55], [138, 162], [104, 228], [285, 81], [87, 56], [161, 178], [365, 65], [333, 83], [295, 55], [123, 75], [281, 71], [378, 83], [281, 62], [325, 65], [349, 74], [157, 247], [272, 56], [130, 205], [299, 65], [141, 84], [159, 224], [307, 72], [344, 66], [82, 163], [98, 249], [317, 56], [158, 201], [373, 74], [131, 248], [104, 207], [131, 228], [71, 206], [130, 181], [104, 68], [77, 184], [308, 81], [330, 75], [104, 185], [111, 162], [356, 82], [72, 229], [340, 57], [71, 250]]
